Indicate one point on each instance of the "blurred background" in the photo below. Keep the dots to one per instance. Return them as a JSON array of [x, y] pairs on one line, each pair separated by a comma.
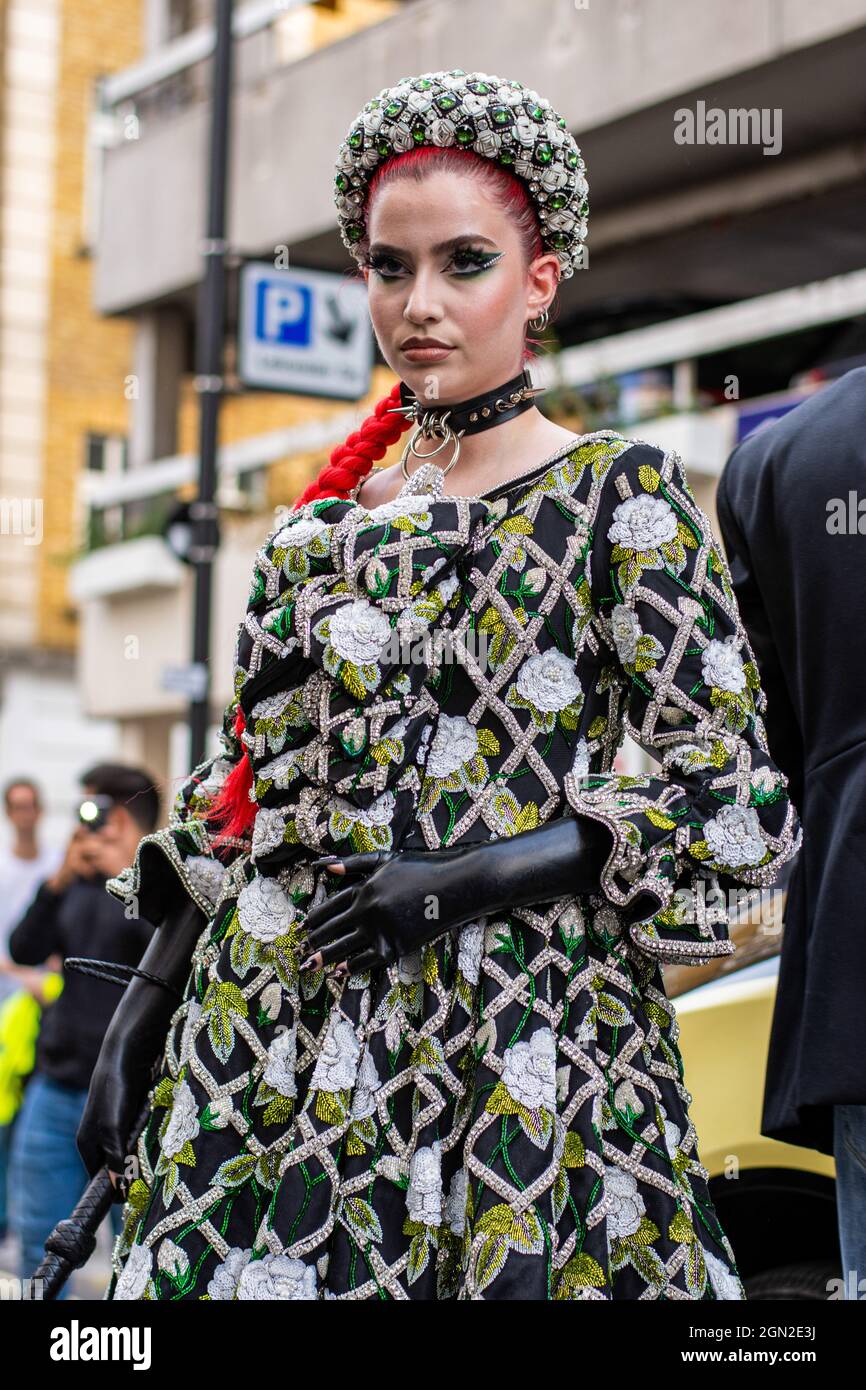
[[726, 281]]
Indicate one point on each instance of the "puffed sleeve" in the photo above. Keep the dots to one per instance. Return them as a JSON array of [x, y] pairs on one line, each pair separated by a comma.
[[717, 815], [180, 860]]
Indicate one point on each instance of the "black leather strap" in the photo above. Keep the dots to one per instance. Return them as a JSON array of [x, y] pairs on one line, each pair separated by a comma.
[[116, 973], [479, 412]]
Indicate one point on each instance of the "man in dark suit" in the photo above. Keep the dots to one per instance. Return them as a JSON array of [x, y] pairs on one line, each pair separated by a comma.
[[795, 538]]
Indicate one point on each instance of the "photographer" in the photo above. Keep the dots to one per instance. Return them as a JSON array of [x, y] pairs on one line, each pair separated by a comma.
[[72, 915]]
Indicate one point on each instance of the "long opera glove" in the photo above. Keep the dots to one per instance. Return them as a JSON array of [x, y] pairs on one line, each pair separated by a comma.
[[408, 897], [134, 1040]]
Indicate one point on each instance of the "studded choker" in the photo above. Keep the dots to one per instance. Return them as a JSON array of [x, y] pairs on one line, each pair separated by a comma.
[[451, 422], [478, 413]]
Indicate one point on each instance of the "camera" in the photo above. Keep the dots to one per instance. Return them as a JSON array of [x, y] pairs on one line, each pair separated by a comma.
[[93, 811]]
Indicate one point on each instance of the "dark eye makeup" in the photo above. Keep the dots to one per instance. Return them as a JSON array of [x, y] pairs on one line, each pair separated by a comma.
[[474, 259]]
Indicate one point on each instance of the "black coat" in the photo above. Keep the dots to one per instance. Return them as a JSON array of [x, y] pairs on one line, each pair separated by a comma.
[[801, 589]]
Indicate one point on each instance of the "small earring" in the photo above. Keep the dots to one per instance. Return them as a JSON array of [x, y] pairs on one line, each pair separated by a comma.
[[540, 321]]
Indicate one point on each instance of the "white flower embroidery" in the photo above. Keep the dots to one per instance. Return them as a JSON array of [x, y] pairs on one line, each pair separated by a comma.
[[264, 910], [626, 633], [379, 812], [416, 508], [273, 705], [735, 836], [644, 523], [183, 1125], [301, 533], [672, 1138], [282, 770], [625, 1095], [765, 779], [626, 1207], [277, 1277], [549, 681], [133, 1278], [725, 1285], [722, 665], [424, 1193], [409, 969], [529, 1072], [268, 830], [455, 1206], [280, 1069], [206, 875], [358, 631], [172, 1259], [368, 1083], [220, 1111], [225, 1278], [455, 743], [337, 1063], [470, 949]]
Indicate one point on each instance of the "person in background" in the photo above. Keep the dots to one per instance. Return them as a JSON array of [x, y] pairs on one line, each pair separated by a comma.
[[72, 915], [24, 864], [784, 505]]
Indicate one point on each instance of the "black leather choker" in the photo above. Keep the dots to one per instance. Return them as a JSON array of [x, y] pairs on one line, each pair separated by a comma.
[[468, 417]]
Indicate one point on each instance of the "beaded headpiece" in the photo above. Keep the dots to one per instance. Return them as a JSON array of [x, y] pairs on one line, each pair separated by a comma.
[[501, 120]]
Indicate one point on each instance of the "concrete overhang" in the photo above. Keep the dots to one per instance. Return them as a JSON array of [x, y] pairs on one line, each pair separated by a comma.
[[617, 74]]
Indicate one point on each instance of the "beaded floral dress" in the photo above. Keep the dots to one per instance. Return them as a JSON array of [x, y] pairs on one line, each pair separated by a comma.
[[503, 1114]]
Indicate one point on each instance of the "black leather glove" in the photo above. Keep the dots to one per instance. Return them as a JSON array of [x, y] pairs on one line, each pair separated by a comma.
[[134, 1041], [411, 896]]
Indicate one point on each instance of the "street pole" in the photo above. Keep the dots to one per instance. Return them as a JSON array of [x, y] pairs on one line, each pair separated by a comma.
[[209, 382]]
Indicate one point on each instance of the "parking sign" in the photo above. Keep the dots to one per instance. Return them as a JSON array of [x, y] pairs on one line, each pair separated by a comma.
[[304, 331]]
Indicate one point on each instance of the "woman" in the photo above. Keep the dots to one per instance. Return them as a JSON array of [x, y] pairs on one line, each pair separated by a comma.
[[455, 1074]]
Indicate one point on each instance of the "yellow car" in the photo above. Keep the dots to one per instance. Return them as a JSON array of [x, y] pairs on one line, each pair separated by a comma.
[[776, 1202]]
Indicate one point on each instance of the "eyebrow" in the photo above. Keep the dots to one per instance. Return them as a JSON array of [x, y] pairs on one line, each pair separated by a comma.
[[451, 244]]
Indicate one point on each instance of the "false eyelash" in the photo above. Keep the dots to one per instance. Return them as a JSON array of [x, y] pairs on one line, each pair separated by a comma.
[[474, 254]]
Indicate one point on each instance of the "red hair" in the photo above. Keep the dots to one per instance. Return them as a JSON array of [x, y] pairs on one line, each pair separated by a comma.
[[352, 460]]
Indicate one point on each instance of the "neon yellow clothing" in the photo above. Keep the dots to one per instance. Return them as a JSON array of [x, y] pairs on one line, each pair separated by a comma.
[[19, 1029]]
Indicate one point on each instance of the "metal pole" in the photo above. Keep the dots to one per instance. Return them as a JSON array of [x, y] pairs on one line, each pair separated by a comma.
[[209, 379]]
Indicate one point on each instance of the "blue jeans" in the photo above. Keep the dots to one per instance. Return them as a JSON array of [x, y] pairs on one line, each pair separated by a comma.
[[849, 1153], [46, 1172], [5, 1145]]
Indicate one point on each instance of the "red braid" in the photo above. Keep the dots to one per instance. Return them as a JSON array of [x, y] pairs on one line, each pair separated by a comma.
[[353, 459]]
